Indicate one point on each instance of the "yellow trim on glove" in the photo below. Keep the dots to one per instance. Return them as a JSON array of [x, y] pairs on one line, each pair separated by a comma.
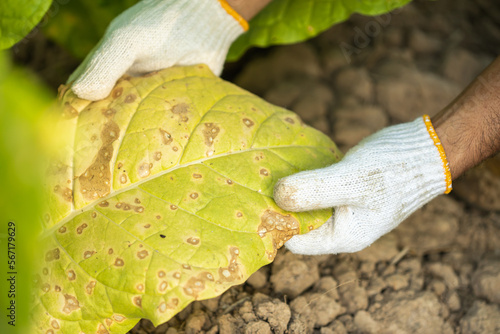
[[437, 143], [234, 14]]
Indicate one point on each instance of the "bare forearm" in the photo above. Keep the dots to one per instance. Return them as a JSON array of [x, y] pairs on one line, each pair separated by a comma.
[[469, 127], [248, 8]]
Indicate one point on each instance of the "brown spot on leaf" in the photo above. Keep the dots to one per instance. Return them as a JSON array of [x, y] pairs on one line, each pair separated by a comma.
[[52, 255], [139, 209], [57, 288], [90, 287], [62, 229], [142, 254], [101, 329], [161, 274], [173, 207], [45, 271], [109, 113], [94, 214], [193, 240], [130, 98], [64, 192], [163, 286], [46, 287], [281, 227], [264, 172], [194, 195], [110, 251], [194, 286], [117, 92], [210, 132], [88, 254], [181, 110], [162, 307], [239, 214], [248, 122], [104, 204], [228, 181], [118, 317], [137, 301], [119, 262], [166, 138], [231, 272], [157, 156], [177, 275], [123, 178], [143, 170], [175, 149], [186, 266], [71, 275], [95, 181], [80, 228], [206, 275], [54, 324], [290, 120], [71, 304], [197, 176]]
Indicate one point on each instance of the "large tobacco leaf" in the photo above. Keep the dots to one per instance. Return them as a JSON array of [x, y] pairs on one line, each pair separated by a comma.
[[163, 196], [292, 21]]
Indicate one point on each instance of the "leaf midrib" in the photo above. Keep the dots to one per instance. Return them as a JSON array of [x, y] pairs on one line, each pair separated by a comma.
[[89, 206]]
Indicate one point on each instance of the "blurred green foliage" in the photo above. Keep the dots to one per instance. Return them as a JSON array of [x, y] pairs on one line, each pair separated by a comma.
[[79, 24], [293, 21], [17, 18], [22, 145]]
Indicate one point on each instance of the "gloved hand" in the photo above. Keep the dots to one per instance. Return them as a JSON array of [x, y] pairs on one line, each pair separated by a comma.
[[378, 184], [155, 34]]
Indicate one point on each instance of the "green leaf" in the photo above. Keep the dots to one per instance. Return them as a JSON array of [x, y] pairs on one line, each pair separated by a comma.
[[292, 21], [22, 102], [163, 196], [79, 24], [17, 18]]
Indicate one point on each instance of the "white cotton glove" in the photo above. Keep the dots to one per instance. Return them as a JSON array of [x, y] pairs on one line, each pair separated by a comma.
[[155, 34], [378, 184]]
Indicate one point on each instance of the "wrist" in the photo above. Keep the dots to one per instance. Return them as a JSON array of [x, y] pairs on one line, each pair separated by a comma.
[[469, 126], [247, 9], [440, 148], [235, 10]]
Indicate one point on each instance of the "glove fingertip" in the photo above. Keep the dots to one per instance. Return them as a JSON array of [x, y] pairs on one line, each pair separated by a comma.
[[92, 92], [285, 196]]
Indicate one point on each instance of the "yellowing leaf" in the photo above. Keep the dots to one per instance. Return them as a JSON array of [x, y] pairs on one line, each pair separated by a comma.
[[163, 196]]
